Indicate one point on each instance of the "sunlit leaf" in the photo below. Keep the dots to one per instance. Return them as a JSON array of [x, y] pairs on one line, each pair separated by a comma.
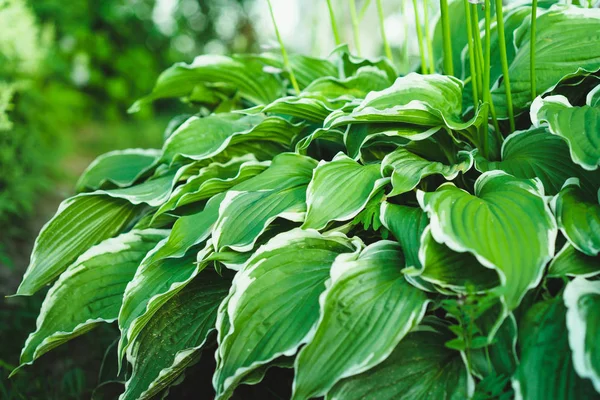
[[89, 292], [368, 294], [250, 207], [579, 126], [571, 262], [80, 222], [578, 218], [339, 190], [407, 169], [274, 302], [120, 168], [565, 46], [505, 211], [582, 299], [535, 153]]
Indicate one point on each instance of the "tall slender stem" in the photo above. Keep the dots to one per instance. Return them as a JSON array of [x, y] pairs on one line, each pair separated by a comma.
[[504, 60], [334, 28], [286, 61], [486, 74], [448, 65], [532, 76], [363, 10], [386, 45], [428, 38], [420, 39], [405, 57], [471, 53], [355, 30], [478, 49]]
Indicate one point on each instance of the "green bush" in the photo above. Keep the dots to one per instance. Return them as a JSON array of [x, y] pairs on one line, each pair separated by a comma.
[[33, 115], [418, 237]]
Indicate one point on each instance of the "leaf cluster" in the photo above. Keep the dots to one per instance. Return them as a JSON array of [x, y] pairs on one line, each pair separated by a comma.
[[380, 235]]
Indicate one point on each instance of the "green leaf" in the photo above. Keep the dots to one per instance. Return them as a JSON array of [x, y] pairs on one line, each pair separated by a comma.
[[250, 207], [578, 218], [349, 64], [333, 136], [505, 211], [80, 222], [582, 299], [306, 69], [119, 168], [154, 283], [185, 320], [426, 100], [407, 225], [244, 75], [189, 231], [579, 126], [593, 97], [213, 179], [366, 80], [571, 262], [203, 138], [153, 192], [407, 169], [312, 109], [89, 292], [459, 272], [368, 308], [565, 46], [420, 368], [339, 190], [273, 305], [536, 153], [545, 362], [358, 136]]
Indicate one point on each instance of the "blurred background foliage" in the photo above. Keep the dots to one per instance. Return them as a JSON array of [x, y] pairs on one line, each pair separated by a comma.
[[68, 73]]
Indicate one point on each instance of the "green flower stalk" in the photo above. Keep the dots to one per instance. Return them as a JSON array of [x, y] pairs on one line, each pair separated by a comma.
[[420, 38], [477, 49], [286, 61], [334, 28], [355, 28], [471, 47], [386, 45], [428, 38], [448, 66], [532, 49], [504, 60]]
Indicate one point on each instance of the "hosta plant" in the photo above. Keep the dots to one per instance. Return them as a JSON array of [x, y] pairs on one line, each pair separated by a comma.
[[428, 236]]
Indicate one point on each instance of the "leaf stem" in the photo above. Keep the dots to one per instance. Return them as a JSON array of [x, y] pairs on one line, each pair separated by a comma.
[[334, 28], [355, 28], [386, 45], [286, 61], [532, 76], [448, 66], [428, 38], [470, 44], [504, 60], [420, 39]]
